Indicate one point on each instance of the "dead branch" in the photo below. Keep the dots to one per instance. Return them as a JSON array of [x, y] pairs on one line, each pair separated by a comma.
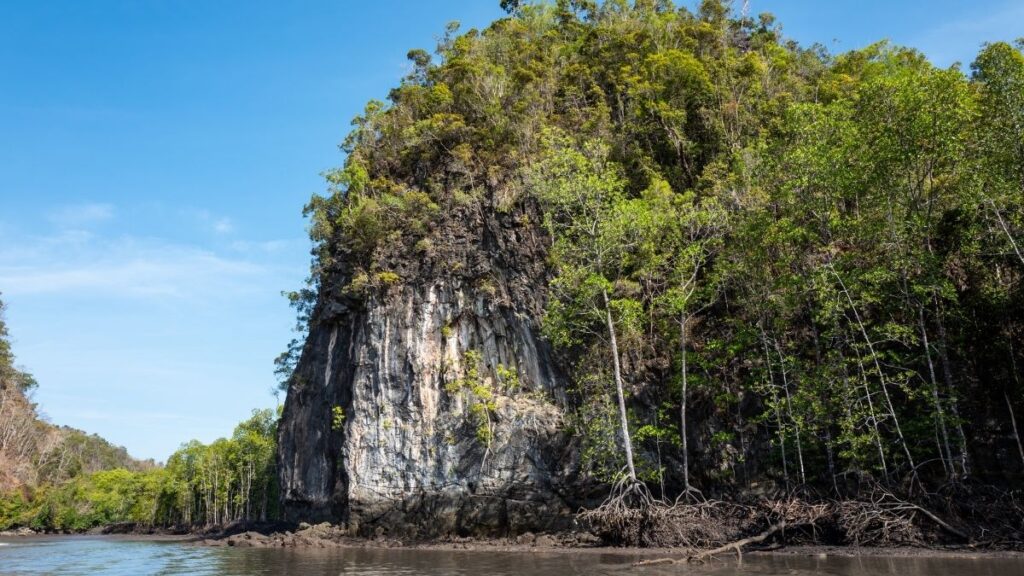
[[738, 546]]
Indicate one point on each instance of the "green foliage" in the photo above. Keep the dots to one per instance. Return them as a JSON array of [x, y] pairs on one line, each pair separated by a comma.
[[9, 374], [822, 252], [596, 425], [508, 378], [387, 278], [337, 418], [302, 301], [476, 388], [228, 480]]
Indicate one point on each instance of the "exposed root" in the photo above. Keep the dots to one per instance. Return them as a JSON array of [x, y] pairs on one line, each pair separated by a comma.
[[791, 513], [886, 520], [738, 546], [706, 528], [631, 516], [990, 516]]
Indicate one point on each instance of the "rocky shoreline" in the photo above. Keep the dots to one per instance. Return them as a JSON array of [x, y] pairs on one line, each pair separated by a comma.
[[328, 536], [325, 536], [19, 532]]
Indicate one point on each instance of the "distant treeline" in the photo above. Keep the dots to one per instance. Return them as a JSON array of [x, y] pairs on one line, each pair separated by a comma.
[[59, 478], [230, 480]]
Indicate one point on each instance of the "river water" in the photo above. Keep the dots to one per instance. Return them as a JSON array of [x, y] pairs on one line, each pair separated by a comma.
[[121, 556]]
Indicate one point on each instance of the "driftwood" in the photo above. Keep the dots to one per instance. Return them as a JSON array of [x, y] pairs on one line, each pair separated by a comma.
[[943, 524], [737, 546]]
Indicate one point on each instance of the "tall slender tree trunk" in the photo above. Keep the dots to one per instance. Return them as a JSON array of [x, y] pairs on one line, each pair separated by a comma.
[[1013, 423], [1009, 404], [947, 375], [1006, 230], [940, 415], [872, 414], [682, 404], [657, 445], [818, 363], [623, 419], [789, 411], [881, 374], [775, 405]]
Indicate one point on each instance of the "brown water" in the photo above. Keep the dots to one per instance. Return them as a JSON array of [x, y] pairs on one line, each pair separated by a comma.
[[116, 557]]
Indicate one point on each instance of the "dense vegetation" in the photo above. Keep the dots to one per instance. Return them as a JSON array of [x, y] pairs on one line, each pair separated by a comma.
[[767, 261], [58, 478]]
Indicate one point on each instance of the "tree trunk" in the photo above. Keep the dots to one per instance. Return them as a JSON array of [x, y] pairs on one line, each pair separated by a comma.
[[789, 410], [657, 445], [623, 419], [881, 374], [940, 415], [682, 405], [1006, 230], [775, 404], [947, 375], [1009, 405]]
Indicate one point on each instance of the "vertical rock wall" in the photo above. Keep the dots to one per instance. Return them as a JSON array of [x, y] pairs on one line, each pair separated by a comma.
[[408, 456]]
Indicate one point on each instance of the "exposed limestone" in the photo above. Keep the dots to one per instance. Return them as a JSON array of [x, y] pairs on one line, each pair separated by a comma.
[[408, 458]]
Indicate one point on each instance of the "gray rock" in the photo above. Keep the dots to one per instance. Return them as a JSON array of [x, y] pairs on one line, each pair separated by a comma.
[[545, 541], [407, 455]]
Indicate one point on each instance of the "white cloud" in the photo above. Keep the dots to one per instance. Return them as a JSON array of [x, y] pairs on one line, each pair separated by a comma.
[[78, 262], [220, 225], [961, 39], [112, 322], [223, 226], [269, 246], [77, 215]]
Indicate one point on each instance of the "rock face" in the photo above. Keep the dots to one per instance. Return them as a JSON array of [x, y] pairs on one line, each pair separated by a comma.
[[381, 430]]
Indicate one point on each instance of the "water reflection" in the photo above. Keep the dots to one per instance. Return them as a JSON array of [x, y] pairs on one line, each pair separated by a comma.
[[117, 557], [393, 562]]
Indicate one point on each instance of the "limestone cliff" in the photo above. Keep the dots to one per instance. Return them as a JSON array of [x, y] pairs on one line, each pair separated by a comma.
[[376, 431], [744, 297]]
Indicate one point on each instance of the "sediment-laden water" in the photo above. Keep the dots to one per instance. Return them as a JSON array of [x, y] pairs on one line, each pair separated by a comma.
[[125, 556]]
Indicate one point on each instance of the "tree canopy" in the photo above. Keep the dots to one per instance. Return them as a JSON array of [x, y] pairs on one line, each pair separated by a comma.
[[818, 255]]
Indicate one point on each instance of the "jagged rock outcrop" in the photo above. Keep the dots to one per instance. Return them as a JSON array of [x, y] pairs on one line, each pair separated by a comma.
[[376, 430]]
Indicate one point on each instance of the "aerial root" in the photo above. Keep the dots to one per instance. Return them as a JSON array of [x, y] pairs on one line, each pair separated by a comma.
[[736, 546], [704, 528], [631, 516], [883, 519]]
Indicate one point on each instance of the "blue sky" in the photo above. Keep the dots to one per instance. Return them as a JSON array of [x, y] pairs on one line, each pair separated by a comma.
[[155, 157]]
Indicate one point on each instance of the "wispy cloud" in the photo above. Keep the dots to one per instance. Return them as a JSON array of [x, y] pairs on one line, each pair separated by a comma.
[[77, 262], [135, 417], [78, 215], [961, 39], [220, 225], [269, 246], [124, 323], [223, 226]]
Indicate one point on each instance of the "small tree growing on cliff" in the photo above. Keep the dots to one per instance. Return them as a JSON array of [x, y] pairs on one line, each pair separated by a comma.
[[582, 192]]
